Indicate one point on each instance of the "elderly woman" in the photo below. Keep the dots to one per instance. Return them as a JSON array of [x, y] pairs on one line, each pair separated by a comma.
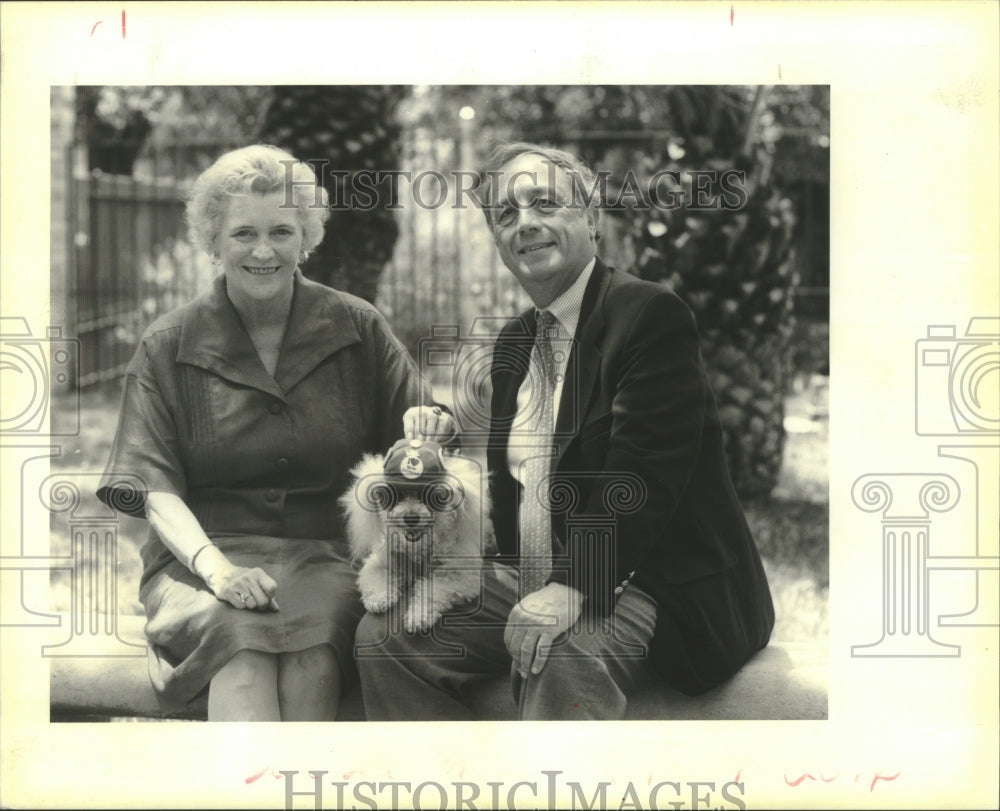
[[242, 414]]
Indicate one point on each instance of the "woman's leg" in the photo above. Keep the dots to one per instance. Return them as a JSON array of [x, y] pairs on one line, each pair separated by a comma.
[[245, 689], [309, 684]]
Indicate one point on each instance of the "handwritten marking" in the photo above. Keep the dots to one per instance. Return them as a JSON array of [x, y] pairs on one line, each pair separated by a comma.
[[254, 777], [123, 23], [798, 781], [92, 30], [878, 777], [857, 779], [732, 13]]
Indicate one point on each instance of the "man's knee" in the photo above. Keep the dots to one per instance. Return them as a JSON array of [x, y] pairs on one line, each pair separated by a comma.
[[376, 637]]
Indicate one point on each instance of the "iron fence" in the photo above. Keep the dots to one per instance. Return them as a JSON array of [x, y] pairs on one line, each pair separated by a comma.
[[130, 260]]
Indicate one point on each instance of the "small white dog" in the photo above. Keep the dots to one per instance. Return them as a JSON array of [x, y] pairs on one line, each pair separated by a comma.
[[416, 521]]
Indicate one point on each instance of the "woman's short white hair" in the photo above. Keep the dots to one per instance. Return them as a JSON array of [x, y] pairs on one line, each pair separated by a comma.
[[257, 169]]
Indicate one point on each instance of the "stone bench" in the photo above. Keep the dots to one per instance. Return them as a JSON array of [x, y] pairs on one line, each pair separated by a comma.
[[783, 681]]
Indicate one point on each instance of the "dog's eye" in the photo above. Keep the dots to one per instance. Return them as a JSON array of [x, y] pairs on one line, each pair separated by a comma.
[[381, 496], [442, 496]]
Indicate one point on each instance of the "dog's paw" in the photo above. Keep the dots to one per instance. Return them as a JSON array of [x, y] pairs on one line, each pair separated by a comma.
[[419, 621], [377, 602]]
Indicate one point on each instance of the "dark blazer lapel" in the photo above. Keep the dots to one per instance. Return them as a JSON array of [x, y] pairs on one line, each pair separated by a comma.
[[585, 360], [511, 356], [213, 337]]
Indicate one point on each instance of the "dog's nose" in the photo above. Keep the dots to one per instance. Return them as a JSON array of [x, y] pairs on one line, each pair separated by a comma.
[[411, 520]]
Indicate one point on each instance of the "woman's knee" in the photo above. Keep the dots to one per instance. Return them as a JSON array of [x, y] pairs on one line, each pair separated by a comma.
[[309, 684], [248, 669], [319, 662]]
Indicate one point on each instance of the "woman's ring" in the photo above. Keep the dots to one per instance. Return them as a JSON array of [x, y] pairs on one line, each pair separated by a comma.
[[242, 596], [436, 411]]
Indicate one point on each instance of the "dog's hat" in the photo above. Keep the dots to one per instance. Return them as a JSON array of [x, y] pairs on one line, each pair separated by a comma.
[[414, 462]]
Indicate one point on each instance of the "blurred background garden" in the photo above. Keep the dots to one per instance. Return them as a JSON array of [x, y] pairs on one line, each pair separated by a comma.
[[756, 277]]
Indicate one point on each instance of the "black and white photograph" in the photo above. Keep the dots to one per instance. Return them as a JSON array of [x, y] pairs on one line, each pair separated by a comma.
[[742, 245], [499, 386]]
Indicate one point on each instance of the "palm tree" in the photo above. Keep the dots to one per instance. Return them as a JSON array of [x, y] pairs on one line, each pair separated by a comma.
[[341, 128], [732, 261]]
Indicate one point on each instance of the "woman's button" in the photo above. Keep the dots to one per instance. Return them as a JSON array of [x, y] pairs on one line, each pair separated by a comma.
[[281, 463], [272, 495], [275, 408]]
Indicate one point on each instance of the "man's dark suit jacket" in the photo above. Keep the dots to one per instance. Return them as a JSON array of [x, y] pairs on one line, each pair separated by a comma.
[[639, 446]]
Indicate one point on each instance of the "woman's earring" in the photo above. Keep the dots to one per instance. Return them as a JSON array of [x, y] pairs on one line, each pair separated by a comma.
[[216, 259], [303, 256]]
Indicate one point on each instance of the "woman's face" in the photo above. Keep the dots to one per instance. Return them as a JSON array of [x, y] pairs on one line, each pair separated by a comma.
[[259, 245]]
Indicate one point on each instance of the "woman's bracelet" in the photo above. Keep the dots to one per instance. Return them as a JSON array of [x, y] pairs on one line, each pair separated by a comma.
[[194, 557]]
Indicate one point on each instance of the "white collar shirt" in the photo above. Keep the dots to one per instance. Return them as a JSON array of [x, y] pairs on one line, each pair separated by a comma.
[[523, 443]]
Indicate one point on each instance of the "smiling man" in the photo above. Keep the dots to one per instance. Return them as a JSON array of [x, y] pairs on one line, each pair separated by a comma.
[[624, 553]]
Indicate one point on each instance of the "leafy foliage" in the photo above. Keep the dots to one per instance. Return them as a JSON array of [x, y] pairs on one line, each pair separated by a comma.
[[122, 124]]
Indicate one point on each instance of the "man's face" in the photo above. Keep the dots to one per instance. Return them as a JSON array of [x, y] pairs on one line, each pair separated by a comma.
[[544, 235]]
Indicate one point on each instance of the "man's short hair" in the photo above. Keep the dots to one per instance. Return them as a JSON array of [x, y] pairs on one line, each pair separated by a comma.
[[586, 190]]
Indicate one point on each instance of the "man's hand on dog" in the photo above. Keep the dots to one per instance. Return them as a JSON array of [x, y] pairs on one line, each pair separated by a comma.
[[429, 422], [536, 621]]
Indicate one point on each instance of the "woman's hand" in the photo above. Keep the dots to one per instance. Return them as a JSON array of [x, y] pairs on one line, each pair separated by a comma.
[[180, 531], [427, 422], [237, 585], [245, 588]]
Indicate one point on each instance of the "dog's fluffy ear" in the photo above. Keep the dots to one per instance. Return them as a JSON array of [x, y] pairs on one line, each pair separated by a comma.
[[473, 511], [365, 523]]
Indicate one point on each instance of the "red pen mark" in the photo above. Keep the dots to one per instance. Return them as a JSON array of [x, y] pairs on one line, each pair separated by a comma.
[[828, 779], [737, 778], [878, 777], [732, 14], [254, 777], [92, 30], [123, 23], [794, 783], [576, 704]]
